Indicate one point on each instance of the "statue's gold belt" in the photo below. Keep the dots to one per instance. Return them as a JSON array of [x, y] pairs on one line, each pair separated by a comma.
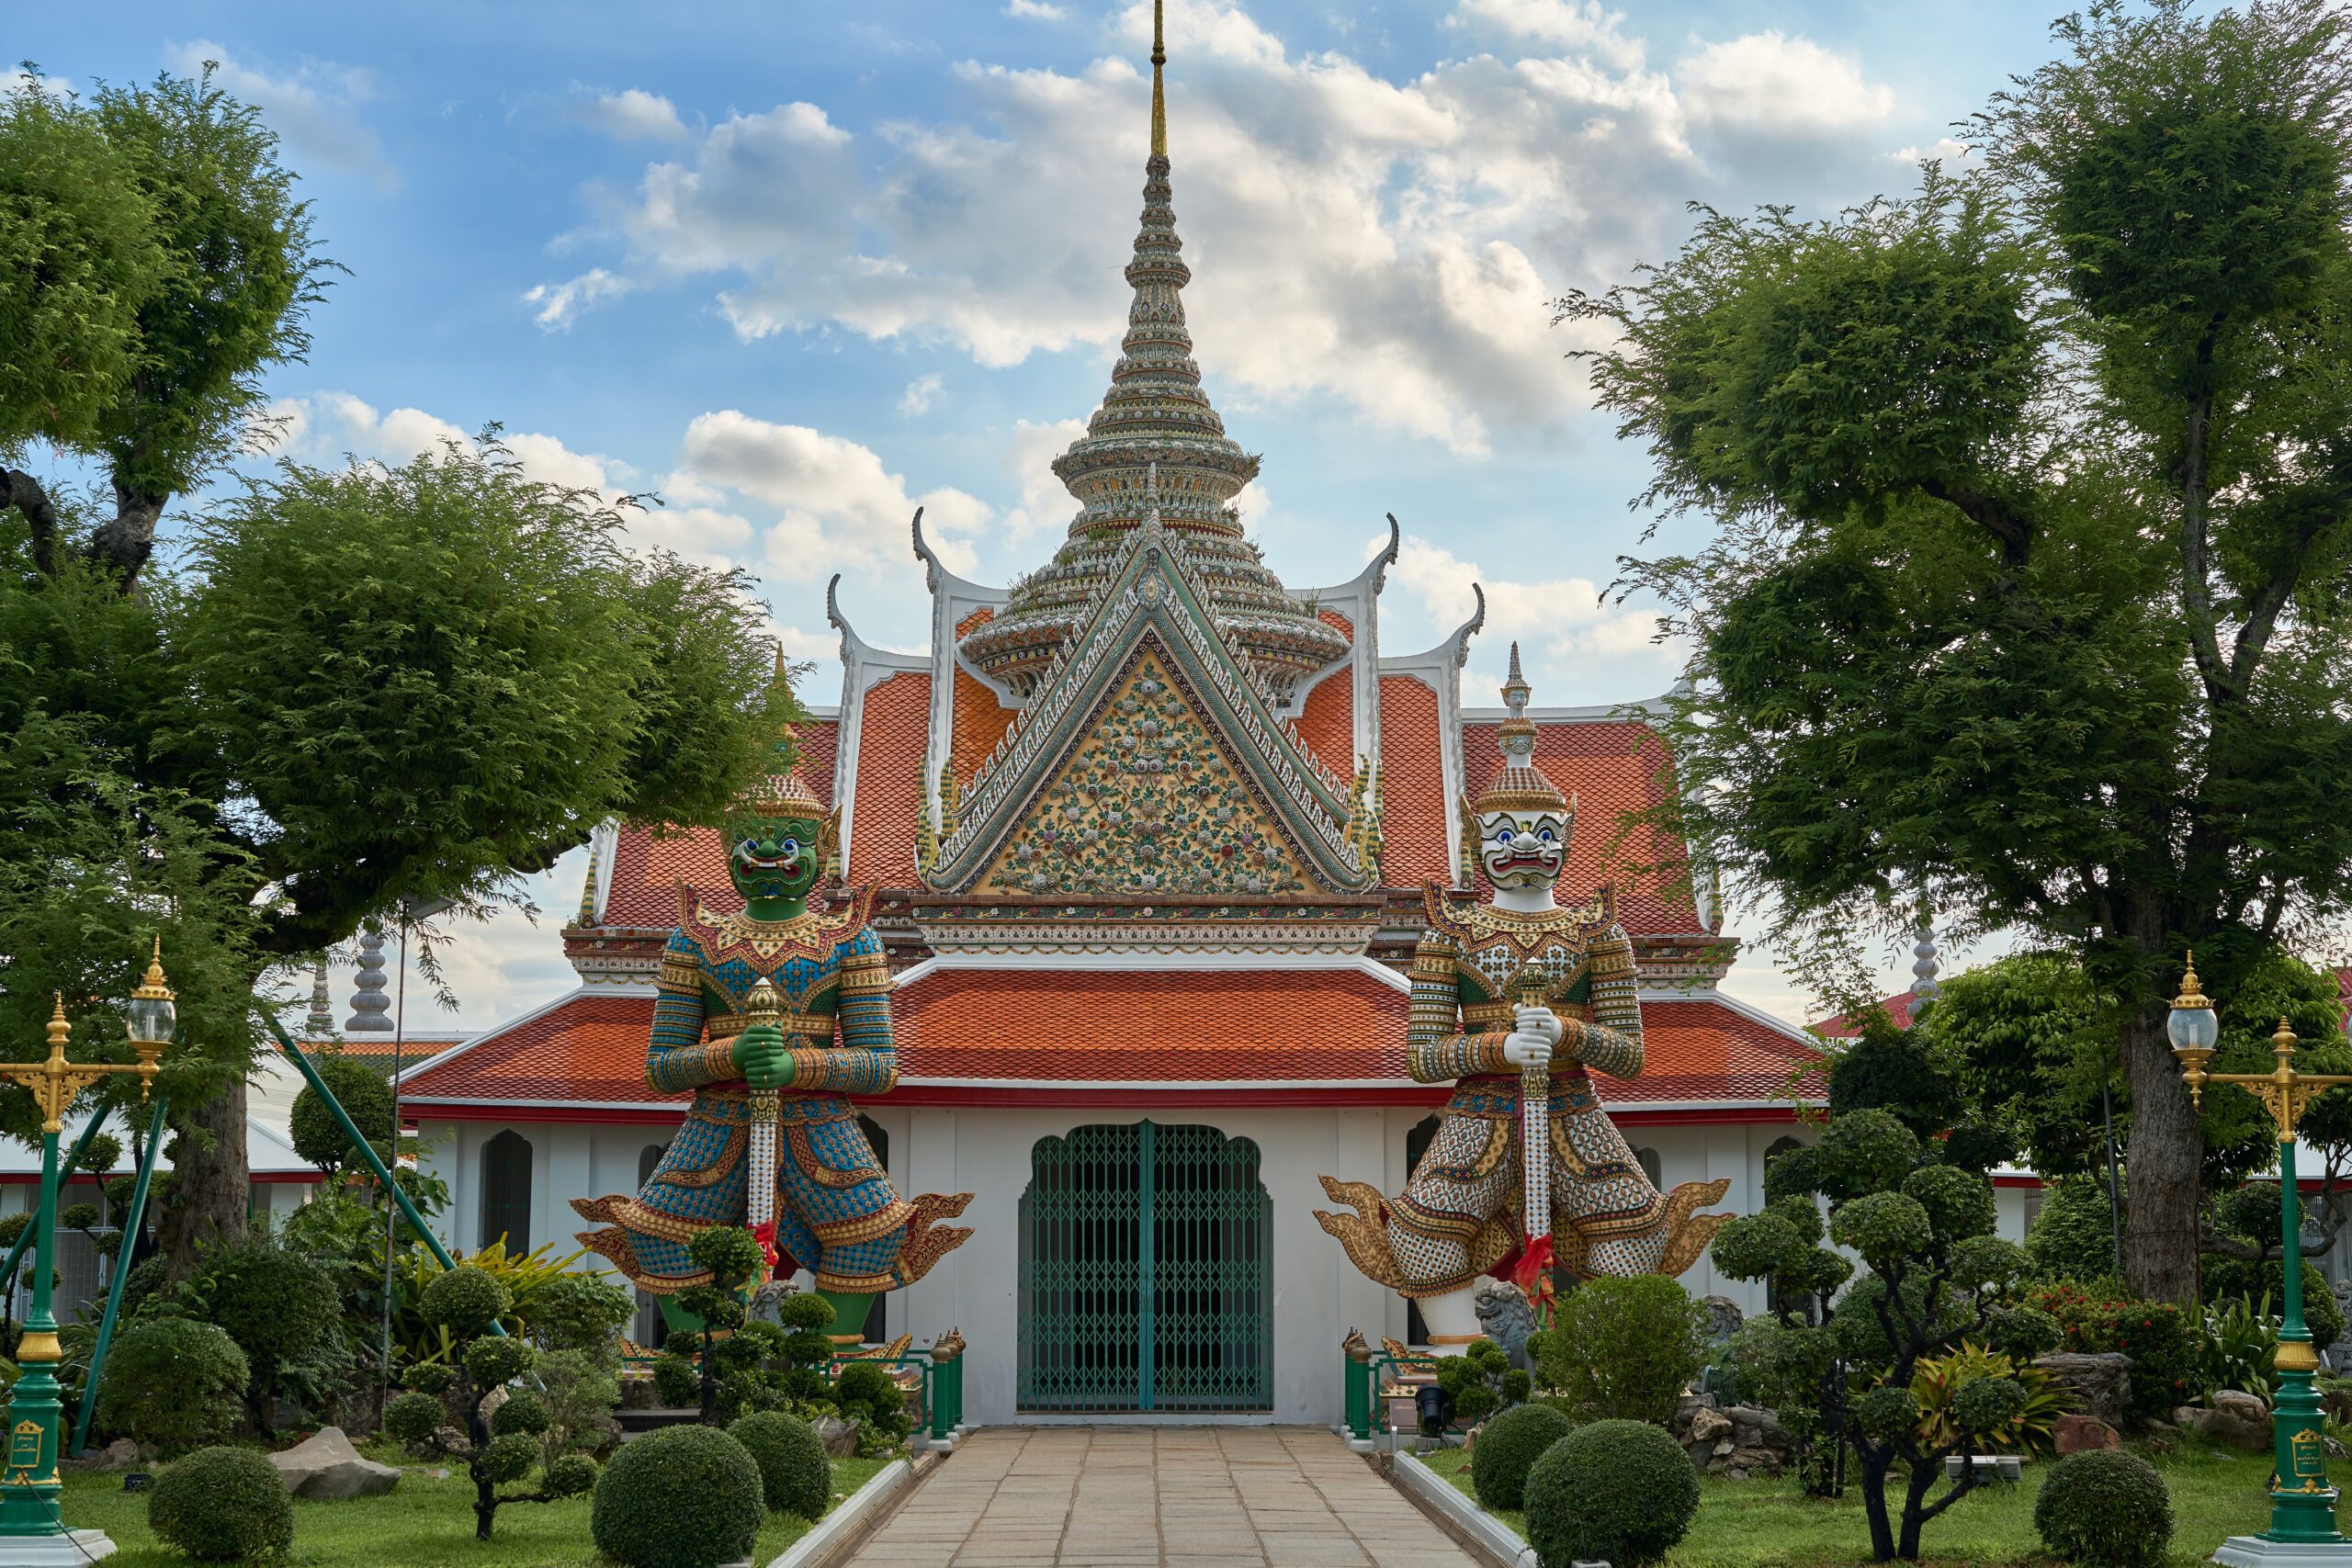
[[818, 1027]]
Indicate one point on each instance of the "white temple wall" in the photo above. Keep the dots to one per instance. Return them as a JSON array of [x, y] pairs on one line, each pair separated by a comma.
[[1318, 1296]]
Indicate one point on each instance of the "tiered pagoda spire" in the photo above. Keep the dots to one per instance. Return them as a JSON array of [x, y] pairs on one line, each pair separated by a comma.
[[1156, 413]]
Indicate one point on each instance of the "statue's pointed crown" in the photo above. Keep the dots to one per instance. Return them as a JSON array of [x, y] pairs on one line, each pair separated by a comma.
[[1518, 784], [786, 794]]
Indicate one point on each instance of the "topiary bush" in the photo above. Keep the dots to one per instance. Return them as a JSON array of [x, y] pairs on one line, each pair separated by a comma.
[[2164, 1342], [366, 1097], [795, 1476], [1508, 1447], [2107, 1508], [1625, 1348], [220, 1504], [2224, 1279], [678, 1497], [280, 1306], [1623, 1491], [172, 1383]]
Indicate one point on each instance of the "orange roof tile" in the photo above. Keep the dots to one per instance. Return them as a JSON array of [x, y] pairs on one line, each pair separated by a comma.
[[415, 1047], [1128, 1026], [1326, 722], [893, 728], [1079, 1027], [981, 722], [1337, 622], [585, 1049], [978, 617], [1415, 818], [1615, 768]]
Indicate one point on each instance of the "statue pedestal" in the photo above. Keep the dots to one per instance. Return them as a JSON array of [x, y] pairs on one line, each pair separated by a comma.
[[67, 1549], [2258, 1551]]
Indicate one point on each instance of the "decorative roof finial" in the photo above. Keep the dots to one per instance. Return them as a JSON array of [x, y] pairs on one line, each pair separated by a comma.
[[319, 1026], [1158, 99], [371, 1009], [1923, 973]]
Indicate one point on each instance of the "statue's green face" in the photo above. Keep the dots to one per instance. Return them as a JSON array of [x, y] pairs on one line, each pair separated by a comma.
[[773, 857]]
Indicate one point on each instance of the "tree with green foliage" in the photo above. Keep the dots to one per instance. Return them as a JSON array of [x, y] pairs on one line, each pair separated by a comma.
[[334, 694], [365, 1096], [1935, 1278], [499, 1441], [2030, 589]]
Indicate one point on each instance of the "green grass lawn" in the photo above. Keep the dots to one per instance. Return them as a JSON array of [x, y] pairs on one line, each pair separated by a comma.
[[421, 1521], [1771, 1524]]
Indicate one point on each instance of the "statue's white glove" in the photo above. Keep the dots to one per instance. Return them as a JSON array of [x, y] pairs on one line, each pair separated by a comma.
[[1540, 1021], [1525, 1048]]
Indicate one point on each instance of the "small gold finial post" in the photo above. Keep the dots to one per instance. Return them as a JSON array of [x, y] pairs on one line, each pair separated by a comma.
[[1159, 95]]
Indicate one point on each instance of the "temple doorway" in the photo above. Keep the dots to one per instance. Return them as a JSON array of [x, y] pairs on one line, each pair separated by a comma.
[[1146, 1274]]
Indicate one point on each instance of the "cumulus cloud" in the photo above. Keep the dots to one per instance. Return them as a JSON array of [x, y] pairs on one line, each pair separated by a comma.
[[1772, 85], [561, 304], [635, 114], [1029, 461], [916, 399], [1943, 149], [313, 108], [1388, 245], [1035, 10], [1560, 622], [838, 504]]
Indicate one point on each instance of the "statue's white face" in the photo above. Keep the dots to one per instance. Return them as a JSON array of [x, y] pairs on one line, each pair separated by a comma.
[[1519, 848]]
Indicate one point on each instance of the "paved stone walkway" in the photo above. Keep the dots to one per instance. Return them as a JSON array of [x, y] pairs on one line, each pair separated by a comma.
[[1157, 1498]]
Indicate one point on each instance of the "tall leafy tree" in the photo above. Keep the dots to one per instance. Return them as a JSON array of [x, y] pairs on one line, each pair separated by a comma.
[[2031, 585], [347, 691]]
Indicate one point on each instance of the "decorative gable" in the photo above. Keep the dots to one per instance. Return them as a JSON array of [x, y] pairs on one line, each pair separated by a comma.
[[1148, 802], [1190, 785]]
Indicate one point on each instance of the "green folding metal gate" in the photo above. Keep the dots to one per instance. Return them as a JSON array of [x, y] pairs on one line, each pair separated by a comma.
[[1146, 1274]]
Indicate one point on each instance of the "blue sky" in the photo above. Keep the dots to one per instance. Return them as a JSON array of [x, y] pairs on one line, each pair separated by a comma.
[[799, 268]]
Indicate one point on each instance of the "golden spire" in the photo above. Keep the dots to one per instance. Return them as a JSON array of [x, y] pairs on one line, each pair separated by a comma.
[[1158, 101]]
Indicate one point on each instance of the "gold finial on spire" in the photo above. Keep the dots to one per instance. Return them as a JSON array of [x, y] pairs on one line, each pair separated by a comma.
[[1159, 98]]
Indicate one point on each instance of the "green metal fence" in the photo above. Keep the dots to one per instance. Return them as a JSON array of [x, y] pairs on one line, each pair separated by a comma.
[[1146, 1274]]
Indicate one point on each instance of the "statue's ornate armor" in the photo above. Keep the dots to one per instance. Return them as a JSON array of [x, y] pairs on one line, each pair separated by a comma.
[[1459, 1216], [837, 1213]]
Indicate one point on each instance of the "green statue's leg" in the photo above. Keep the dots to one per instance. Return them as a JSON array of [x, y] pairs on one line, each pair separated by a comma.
[[849, 1310], [676, 1318]]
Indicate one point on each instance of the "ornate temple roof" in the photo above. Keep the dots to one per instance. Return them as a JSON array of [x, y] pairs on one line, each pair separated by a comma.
[[1155, 413]]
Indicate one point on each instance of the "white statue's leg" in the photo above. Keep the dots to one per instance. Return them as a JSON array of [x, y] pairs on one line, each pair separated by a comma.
[[1452, 1321]]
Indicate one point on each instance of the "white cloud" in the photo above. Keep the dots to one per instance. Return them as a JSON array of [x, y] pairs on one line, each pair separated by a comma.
[[561, 304], [1560, 622], [1943, 149], [1773, 84], [313, 109], [1035, 10], [919, 391], [1389, 245], [1029, 460], [1579, 25], [839, 506], [635, 114]]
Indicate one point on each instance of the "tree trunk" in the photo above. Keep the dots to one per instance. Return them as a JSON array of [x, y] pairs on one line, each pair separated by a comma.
[[1877, 1459], [210, 1186], [2166, 1151], [1915, 1502], [123, 543]]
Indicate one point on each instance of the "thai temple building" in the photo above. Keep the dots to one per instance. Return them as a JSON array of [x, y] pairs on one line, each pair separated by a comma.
[[1149, 829]]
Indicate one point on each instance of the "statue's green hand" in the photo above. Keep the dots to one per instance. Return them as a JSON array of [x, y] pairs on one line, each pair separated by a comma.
[[761, 1057]]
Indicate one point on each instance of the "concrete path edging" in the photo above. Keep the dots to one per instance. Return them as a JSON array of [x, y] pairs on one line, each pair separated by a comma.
[[858, 1510], [1487, 1533]]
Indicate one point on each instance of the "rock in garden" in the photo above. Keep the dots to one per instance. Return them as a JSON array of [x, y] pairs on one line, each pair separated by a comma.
[[2078, 1434], [120, 1454], [839, 1436], [2101, 1384], [2238, 1402], [1706, 1426], [326, 1466], [2229, 1426]]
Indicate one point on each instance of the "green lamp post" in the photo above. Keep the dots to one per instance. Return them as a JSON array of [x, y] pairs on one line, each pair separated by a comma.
[[2302, 1500], [32, 1530]]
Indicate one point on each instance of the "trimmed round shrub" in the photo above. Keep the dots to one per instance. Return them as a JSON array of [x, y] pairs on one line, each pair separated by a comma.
[[218, 1505], [2105, 1507], [413, 1416], [278, 1306], [1625, 1348], [569, 1477], [678, 1497], [465, 1300], [1620, 1490], [366, 1097], [1507, 1449], [174, 1383], [676, 1383], [524, 1412], [509, 1457], [795, 1475]]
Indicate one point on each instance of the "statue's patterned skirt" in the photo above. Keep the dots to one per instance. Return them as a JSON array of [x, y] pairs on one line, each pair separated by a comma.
[[837, 1213]]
